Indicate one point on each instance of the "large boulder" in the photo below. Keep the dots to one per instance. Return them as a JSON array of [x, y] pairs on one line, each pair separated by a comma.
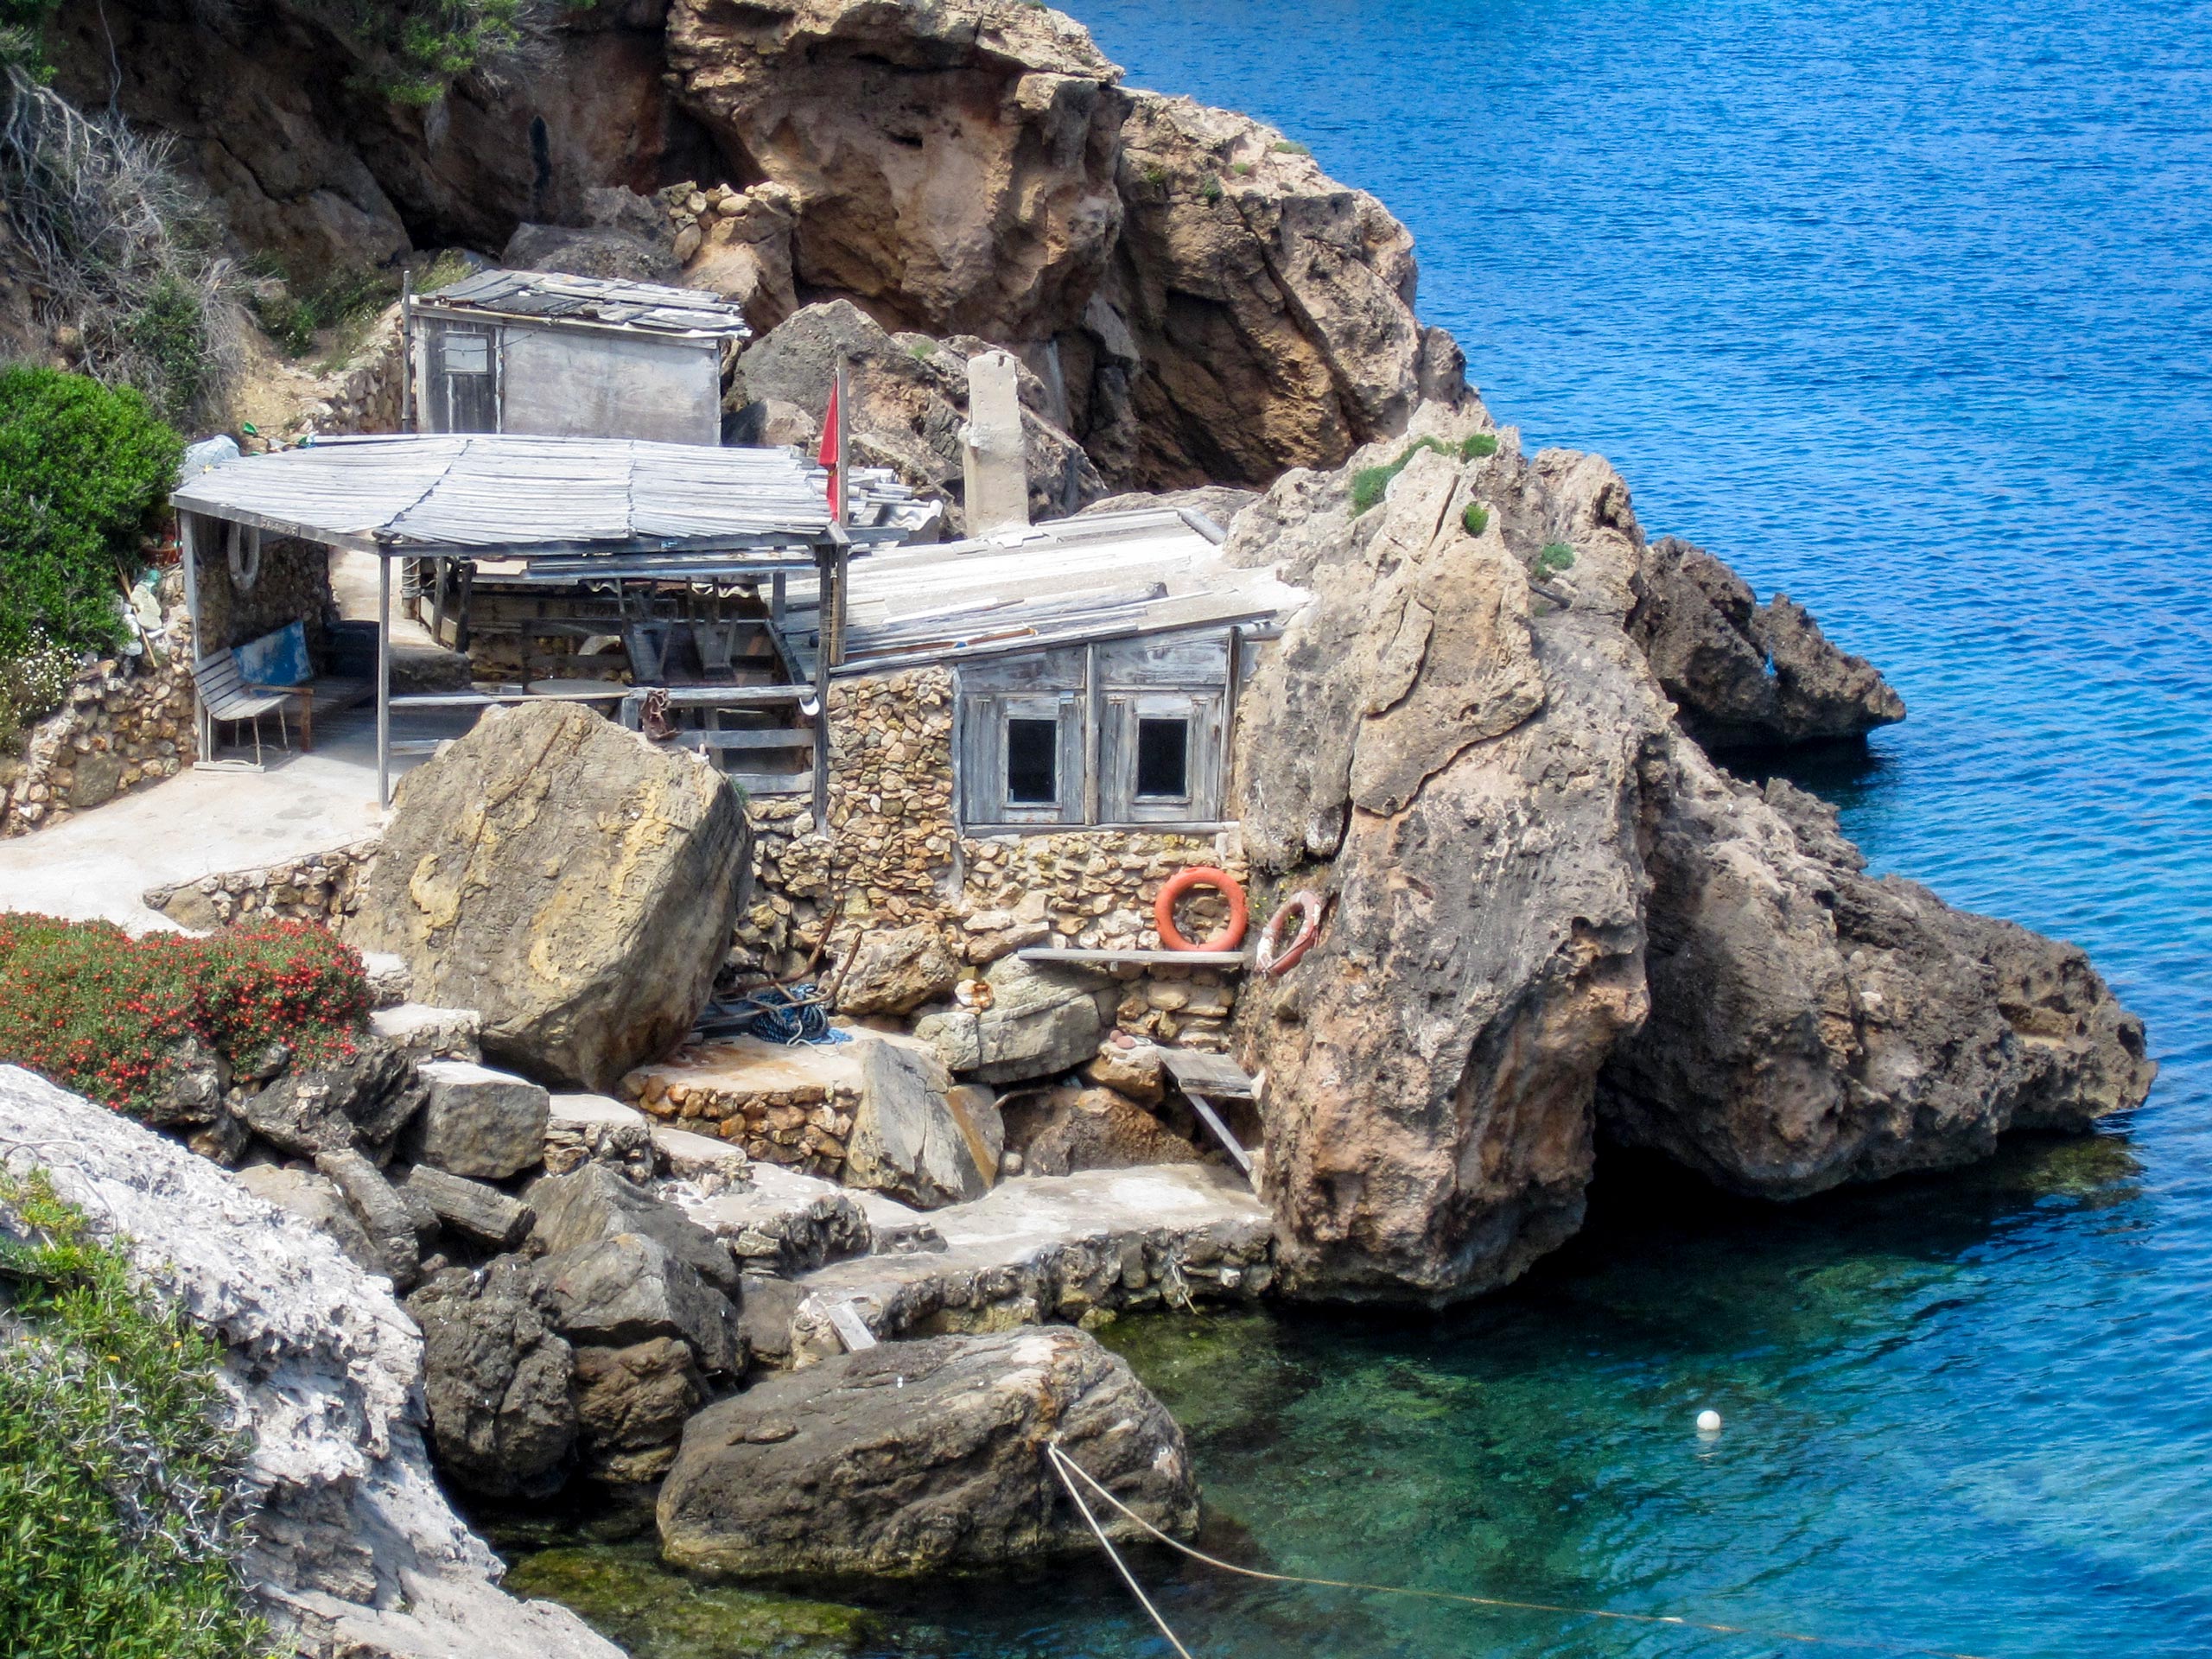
[[350, 1546], [568, 879], [362, 1098], [1811, 1025], [1548, 908], [496, 1377], [1746, 674], [918, 1457], [895, 970], [1458, 774], [632, 1404]]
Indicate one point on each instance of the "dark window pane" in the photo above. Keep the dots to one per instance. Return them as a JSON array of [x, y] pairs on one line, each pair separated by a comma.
[[1163, 760], [1032, 754]]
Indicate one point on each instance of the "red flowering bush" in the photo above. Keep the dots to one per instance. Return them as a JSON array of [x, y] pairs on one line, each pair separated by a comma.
[[103, 1013]]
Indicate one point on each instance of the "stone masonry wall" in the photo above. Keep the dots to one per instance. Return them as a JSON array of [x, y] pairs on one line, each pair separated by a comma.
[[898, 859], [315, 887], [125, 721]]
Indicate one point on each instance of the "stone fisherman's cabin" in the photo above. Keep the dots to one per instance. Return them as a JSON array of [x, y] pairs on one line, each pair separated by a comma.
[[970, 767]]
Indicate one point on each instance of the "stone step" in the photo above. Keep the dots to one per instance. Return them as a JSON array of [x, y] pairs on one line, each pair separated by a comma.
[[479, 1122], [425, 1033], [783, 1221], [1052, 1248]]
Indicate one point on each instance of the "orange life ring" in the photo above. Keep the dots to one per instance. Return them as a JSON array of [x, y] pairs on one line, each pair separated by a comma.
[[1308, 905], [1201, 875]]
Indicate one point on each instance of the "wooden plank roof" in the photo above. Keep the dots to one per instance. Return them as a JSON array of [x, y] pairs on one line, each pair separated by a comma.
[[521, 495], [1066, 582], [549, 296]]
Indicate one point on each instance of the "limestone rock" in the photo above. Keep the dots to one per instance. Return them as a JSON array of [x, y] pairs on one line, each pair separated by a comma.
[[571, 882], [898, 971], [1744, 674], [1811, 1025], [479, 1122], [582, 1128], [746, 254], [714, 1165], [1132, 1068], [908, 1139], [833, 1469], [1041, 1020], [1059, 1131], [423, 1033], [496, 1377], [782, 1221], [364, 1099], [632, 1404], [484, 1213], [906, 402], [189, 1084], [630, 1288], [316, 1200], [596, 1203], [387, 1221], [353, 1549], [1459, 776], [1270, 308], [913, 142]]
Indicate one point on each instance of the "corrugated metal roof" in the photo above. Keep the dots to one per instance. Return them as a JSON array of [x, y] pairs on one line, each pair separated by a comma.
[[650, 307], [518, 494], [1107, 575]]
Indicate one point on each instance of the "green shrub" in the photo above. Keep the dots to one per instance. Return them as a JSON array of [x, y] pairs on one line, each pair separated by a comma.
[[1210, 189], [1290, 147], [117, 1483], [1552, 558], [1475, 445], [1476, 518], [99, 1013], [85, 472]]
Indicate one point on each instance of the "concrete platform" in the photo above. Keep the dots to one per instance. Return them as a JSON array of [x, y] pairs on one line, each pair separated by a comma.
[[1043, 1248], [94, 865]]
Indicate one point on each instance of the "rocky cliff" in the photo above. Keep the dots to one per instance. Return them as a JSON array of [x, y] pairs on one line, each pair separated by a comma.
[[1552, 917], [1199, 301]]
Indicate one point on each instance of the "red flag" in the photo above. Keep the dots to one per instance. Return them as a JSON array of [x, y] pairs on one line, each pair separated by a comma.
[[832, 453]]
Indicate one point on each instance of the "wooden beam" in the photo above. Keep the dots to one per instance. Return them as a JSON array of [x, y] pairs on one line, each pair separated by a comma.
[[383, 684]]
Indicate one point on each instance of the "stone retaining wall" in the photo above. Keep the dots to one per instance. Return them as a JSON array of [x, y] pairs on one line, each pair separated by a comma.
[[314, 888], [125, 721]]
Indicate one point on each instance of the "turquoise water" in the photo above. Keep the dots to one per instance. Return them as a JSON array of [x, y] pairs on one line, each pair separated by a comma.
[[1901, 309]]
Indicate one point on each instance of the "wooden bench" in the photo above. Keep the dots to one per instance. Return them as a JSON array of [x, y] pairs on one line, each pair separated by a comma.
[[228, 696]]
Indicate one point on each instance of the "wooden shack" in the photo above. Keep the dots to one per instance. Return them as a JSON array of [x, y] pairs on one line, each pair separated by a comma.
[[543, 353]]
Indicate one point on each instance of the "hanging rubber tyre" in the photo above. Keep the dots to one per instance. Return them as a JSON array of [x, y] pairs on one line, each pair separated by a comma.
[[1274, 960], [1201, 875]]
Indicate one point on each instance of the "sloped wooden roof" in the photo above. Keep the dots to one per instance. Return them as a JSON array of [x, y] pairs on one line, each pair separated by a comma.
[[556, 296]]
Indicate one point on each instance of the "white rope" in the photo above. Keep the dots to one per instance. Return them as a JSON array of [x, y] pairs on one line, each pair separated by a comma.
[[1063, 1464]]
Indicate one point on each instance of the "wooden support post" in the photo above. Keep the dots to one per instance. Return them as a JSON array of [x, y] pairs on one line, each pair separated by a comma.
[[406, 351], [825, 560], [188, 536], [384, 680]]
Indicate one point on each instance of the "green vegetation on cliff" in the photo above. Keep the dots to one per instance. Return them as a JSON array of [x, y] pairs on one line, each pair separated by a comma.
[[85, 471], [117, 1480]]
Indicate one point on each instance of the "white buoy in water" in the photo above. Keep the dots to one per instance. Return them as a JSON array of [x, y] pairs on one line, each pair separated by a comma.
[[1708, 1421]]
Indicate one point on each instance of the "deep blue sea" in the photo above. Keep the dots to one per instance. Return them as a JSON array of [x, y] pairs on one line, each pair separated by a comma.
[[1905, 310]]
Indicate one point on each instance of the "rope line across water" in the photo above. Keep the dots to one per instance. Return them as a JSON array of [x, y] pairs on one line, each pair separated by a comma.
[[1066, 1467]]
